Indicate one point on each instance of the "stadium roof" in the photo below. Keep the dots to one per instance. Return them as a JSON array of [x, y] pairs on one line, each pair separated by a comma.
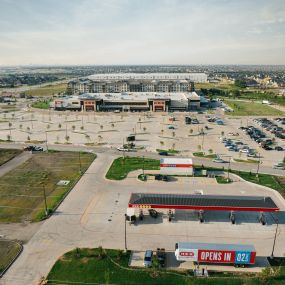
[[203, 202]]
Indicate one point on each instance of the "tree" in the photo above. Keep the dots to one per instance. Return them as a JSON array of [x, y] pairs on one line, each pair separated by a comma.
[[113, 125], [59, 125], [236, 93], [28, 138], [161, 143], [82, 127], [162, 131], [173, 146], [222, 133], [67, 138], [8, 138], [144, 129], [48, 126], [191, 131], [101, 127], [20, 126], [240, 83], [210, 151], [73, 127], [199, 147], [173, 134]]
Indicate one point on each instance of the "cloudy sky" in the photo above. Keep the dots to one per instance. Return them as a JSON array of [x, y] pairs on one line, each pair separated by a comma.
[[142, 32]]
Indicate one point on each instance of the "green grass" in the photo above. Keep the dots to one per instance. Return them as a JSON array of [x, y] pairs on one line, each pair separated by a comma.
[[41, 104], [48, 90], [8, 251], [263, 179], [223, 180], [202, 154], [85, 266], [8, 154], [21, 190], [251, 109], [121, 167], [171, 151], [246, 161]]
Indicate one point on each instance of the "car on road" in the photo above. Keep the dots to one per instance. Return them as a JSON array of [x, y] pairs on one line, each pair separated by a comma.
[[147, 261], [278, 166], [163, 153], [171, 127], [123, 149], [33, 148], [218, 160]]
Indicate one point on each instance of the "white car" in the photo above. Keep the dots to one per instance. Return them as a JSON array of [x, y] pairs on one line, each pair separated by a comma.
[[244, 150], [278, 166], [218, 160], [123, 149]]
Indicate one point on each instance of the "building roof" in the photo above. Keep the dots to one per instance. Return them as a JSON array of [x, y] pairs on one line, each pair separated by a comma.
[[203, 202], [216, 246], [175, 160], [140, 96], [158, 76]]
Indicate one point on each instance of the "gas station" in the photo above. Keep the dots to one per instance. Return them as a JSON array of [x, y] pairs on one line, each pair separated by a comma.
[[202, 203]]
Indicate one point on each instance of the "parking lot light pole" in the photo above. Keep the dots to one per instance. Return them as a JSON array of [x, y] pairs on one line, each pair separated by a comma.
[[46, 142], [258, 165], [45, 198], [274, 241], [80, 166], [125, 217], [229, 169]]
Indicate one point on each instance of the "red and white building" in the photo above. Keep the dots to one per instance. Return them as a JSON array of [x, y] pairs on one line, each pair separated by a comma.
[[179, 166]]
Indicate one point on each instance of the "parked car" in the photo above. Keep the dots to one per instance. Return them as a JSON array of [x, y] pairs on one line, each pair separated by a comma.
[[278, 166], [218, 160], [147, 261], [171, 127], [161, 256], [123, 149], [278, 148], [163, 153]]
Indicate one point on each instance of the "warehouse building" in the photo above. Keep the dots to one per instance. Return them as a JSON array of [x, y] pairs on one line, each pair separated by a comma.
[[131, 101]]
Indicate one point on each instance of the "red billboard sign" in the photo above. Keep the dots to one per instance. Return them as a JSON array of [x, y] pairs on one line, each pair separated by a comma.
[[218, 256]]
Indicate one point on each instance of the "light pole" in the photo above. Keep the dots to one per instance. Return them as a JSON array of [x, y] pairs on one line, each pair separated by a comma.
[[274, 241], [79, 157], [46, 142], [257, 171], [125, 217], [45, 198], [229, 169]]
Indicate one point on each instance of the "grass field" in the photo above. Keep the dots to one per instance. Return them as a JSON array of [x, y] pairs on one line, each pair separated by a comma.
[[91, 266], [41, 104], [8, 154], [202, 154], [251, 109], [121, 167], [22, 189], [48, 90], [8, 251]]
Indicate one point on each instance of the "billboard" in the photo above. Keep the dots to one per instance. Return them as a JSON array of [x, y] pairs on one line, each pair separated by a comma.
[[187, 255]]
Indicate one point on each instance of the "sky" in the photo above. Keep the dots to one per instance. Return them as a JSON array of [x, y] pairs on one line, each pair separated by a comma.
[[107, 32]]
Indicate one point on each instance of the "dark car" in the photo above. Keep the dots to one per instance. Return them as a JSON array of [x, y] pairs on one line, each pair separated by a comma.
[[29, 148], [161, 256], [158, 177], [163, 153], [278, 148]]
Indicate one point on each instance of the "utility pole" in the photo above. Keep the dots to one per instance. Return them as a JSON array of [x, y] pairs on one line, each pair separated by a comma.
[[45, 198]]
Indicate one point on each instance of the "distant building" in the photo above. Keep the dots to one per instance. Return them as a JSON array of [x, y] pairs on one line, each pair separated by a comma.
[[136, 82], [131, 101]]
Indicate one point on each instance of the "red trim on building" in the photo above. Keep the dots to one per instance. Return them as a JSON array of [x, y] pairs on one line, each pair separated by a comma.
[[206, 208], [176, 165]]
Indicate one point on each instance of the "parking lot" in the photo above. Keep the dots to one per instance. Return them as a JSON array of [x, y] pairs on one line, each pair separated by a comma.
[[152, 130]]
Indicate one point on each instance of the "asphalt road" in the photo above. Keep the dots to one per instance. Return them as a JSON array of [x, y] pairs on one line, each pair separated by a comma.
[[240, 166]]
